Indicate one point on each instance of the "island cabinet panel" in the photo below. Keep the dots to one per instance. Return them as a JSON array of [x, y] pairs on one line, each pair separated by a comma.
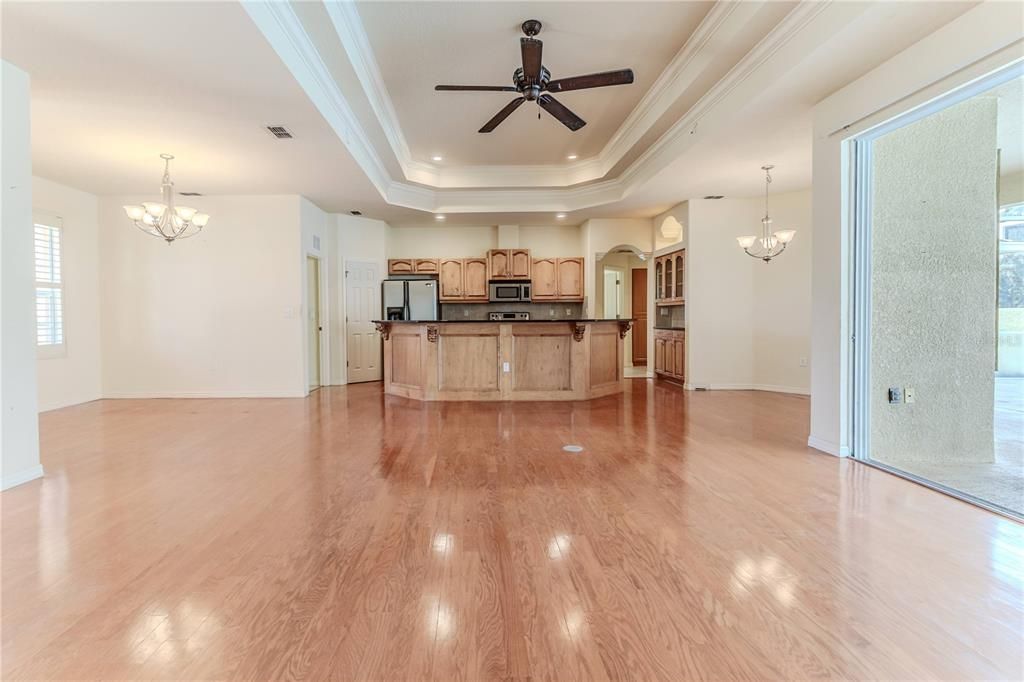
[[467, 359], [545, 279], [474, 286], [450, 279], [543, 362], [605, 359]]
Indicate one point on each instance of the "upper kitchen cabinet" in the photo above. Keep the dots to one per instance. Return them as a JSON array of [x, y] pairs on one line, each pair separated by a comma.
[[509, 263], [410, 266], [463, 279], [450, 279], [401, 266], [570, 279], [475, 279], [670, 278], [557, 279], [545, 279]]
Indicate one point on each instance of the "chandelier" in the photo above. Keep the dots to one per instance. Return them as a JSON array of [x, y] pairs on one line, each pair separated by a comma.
[[164, 219], [769, 244]]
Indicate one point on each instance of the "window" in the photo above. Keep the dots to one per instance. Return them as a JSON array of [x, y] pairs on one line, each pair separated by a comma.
[[49, 285]]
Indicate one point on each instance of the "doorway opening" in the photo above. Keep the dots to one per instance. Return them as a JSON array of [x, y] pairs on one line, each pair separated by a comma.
[[938, 368], [314, 326], [621, 292]]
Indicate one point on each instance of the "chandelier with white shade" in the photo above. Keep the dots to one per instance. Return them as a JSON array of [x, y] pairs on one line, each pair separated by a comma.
[[162, 218], [769, 244]]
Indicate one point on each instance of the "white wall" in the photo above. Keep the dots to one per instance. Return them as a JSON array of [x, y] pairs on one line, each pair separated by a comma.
[[441, 241], [74, 376], [748, 322], [219, 314], [979, 41], [719, 292], [19, 422]]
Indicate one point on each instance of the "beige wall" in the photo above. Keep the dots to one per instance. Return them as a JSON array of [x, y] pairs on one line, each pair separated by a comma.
[[459, 241], [933, 308], [748, 322], [73, 376], [216, 315]]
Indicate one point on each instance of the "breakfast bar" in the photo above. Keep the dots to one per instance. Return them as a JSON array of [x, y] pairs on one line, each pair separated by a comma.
[[573, 359]]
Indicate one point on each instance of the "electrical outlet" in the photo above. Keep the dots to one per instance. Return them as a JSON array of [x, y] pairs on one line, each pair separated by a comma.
[[909, 395], [505, 367], [551, 312], [465, 313], [568, 312], [895, 395], [803, 362]]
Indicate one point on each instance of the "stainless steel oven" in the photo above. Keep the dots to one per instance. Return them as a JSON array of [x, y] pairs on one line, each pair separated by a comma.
[[504, 292]]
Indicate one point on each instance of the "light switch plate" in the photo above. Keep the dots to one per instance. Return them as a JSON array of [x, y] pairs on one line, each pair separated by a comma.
[[505, 367]]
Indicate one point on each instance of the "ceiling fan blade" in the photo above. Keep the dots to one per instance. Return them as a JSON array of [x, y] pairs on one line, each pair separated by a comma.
[[476, 88], [593, 80], [559, 111], [502, 115], [531, 49]]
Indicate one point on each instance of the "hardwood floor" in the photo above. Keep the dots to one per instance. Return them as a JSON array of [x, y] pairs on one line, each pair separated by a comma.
[[357, 536]]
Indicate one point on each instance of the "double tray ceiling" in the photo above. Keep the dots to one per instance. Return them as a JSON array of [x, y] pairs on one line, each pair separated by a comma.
[[721, 87]]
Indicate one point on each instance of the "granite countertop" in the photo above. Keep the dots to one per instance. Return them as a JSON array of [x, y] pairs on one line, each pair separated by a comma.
[[561, 319]]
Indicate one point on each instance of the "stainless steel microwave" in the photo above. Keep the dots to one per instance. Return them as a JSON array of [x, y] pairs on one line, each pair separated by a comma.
[[504, 292]]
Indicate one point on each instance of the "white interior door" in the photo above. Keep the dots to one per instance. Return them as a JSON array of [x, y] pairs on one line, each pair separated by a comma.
[[362, 305]]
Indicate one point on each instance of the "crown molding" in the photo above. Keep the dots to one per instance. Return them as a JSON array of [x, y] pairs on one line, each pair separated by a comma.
[[284, 31]]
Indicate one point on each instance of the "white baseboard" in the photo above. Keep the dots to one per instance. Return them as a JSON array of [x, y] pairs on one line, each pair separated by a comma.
[[828, 447], [149, 395], [750, 387], [29, 474]]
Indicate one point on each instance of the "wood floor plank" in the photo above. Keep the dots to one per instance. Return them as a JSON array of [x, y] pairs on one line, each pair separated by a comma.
[[353, 535]]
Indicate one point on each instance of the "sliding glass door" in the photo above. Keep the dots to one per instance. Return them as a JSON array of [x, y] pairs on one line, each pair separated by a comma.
[[939, 294]]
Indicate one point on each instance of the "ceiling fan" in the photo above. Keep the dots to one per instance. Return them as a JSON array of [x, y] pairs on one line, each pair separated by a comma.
[[533, 82]]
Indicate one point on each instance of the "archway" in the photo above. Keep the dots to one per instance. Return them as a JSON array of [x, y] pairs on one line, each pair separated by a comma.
[[621, 290]]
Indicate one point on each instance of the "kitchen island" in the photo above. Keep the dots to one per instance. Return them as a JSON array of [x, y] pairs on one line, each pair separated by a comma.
[[574, 359]]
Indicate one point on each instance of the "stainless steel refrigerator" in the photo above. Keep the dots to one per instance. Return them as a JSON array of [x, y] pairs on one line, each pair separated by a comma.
[[409, 299]]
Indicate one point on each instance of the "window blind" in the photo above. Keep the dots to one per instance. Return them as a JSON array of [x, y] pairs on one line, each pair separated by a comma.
[[49, 286]]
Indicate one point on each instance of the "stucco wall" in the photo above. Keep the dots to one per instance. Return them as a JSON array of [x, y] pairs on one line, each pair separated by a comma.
[[933, 286]]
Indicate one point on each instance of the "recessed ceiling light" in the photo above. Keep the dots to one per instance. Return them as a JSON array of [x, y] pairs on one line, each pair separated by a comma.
[[572, 157], [437, 158], [439, 217], [559, 215]]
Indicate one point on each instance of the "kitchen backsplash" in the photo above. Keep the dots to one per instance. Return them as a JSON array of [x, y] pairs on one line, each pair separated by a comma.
[[538, 311], [671, 317]]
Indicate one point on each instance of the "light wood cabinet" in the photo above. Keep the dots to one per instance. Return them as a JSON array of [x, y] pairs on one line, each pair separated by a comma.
[[426, 266], [474, 287], [545, 279], [509, 263], [670, 278], [557, 279], [670, 354], [409, 266], [570, 279], [450, 279], [463, 279], [401, 266]]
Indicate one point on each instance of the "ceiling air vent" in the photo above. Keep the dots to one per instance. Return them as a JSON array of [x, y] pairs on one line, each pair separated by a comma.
[[280, 132], [715, 196], [190, 194]]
